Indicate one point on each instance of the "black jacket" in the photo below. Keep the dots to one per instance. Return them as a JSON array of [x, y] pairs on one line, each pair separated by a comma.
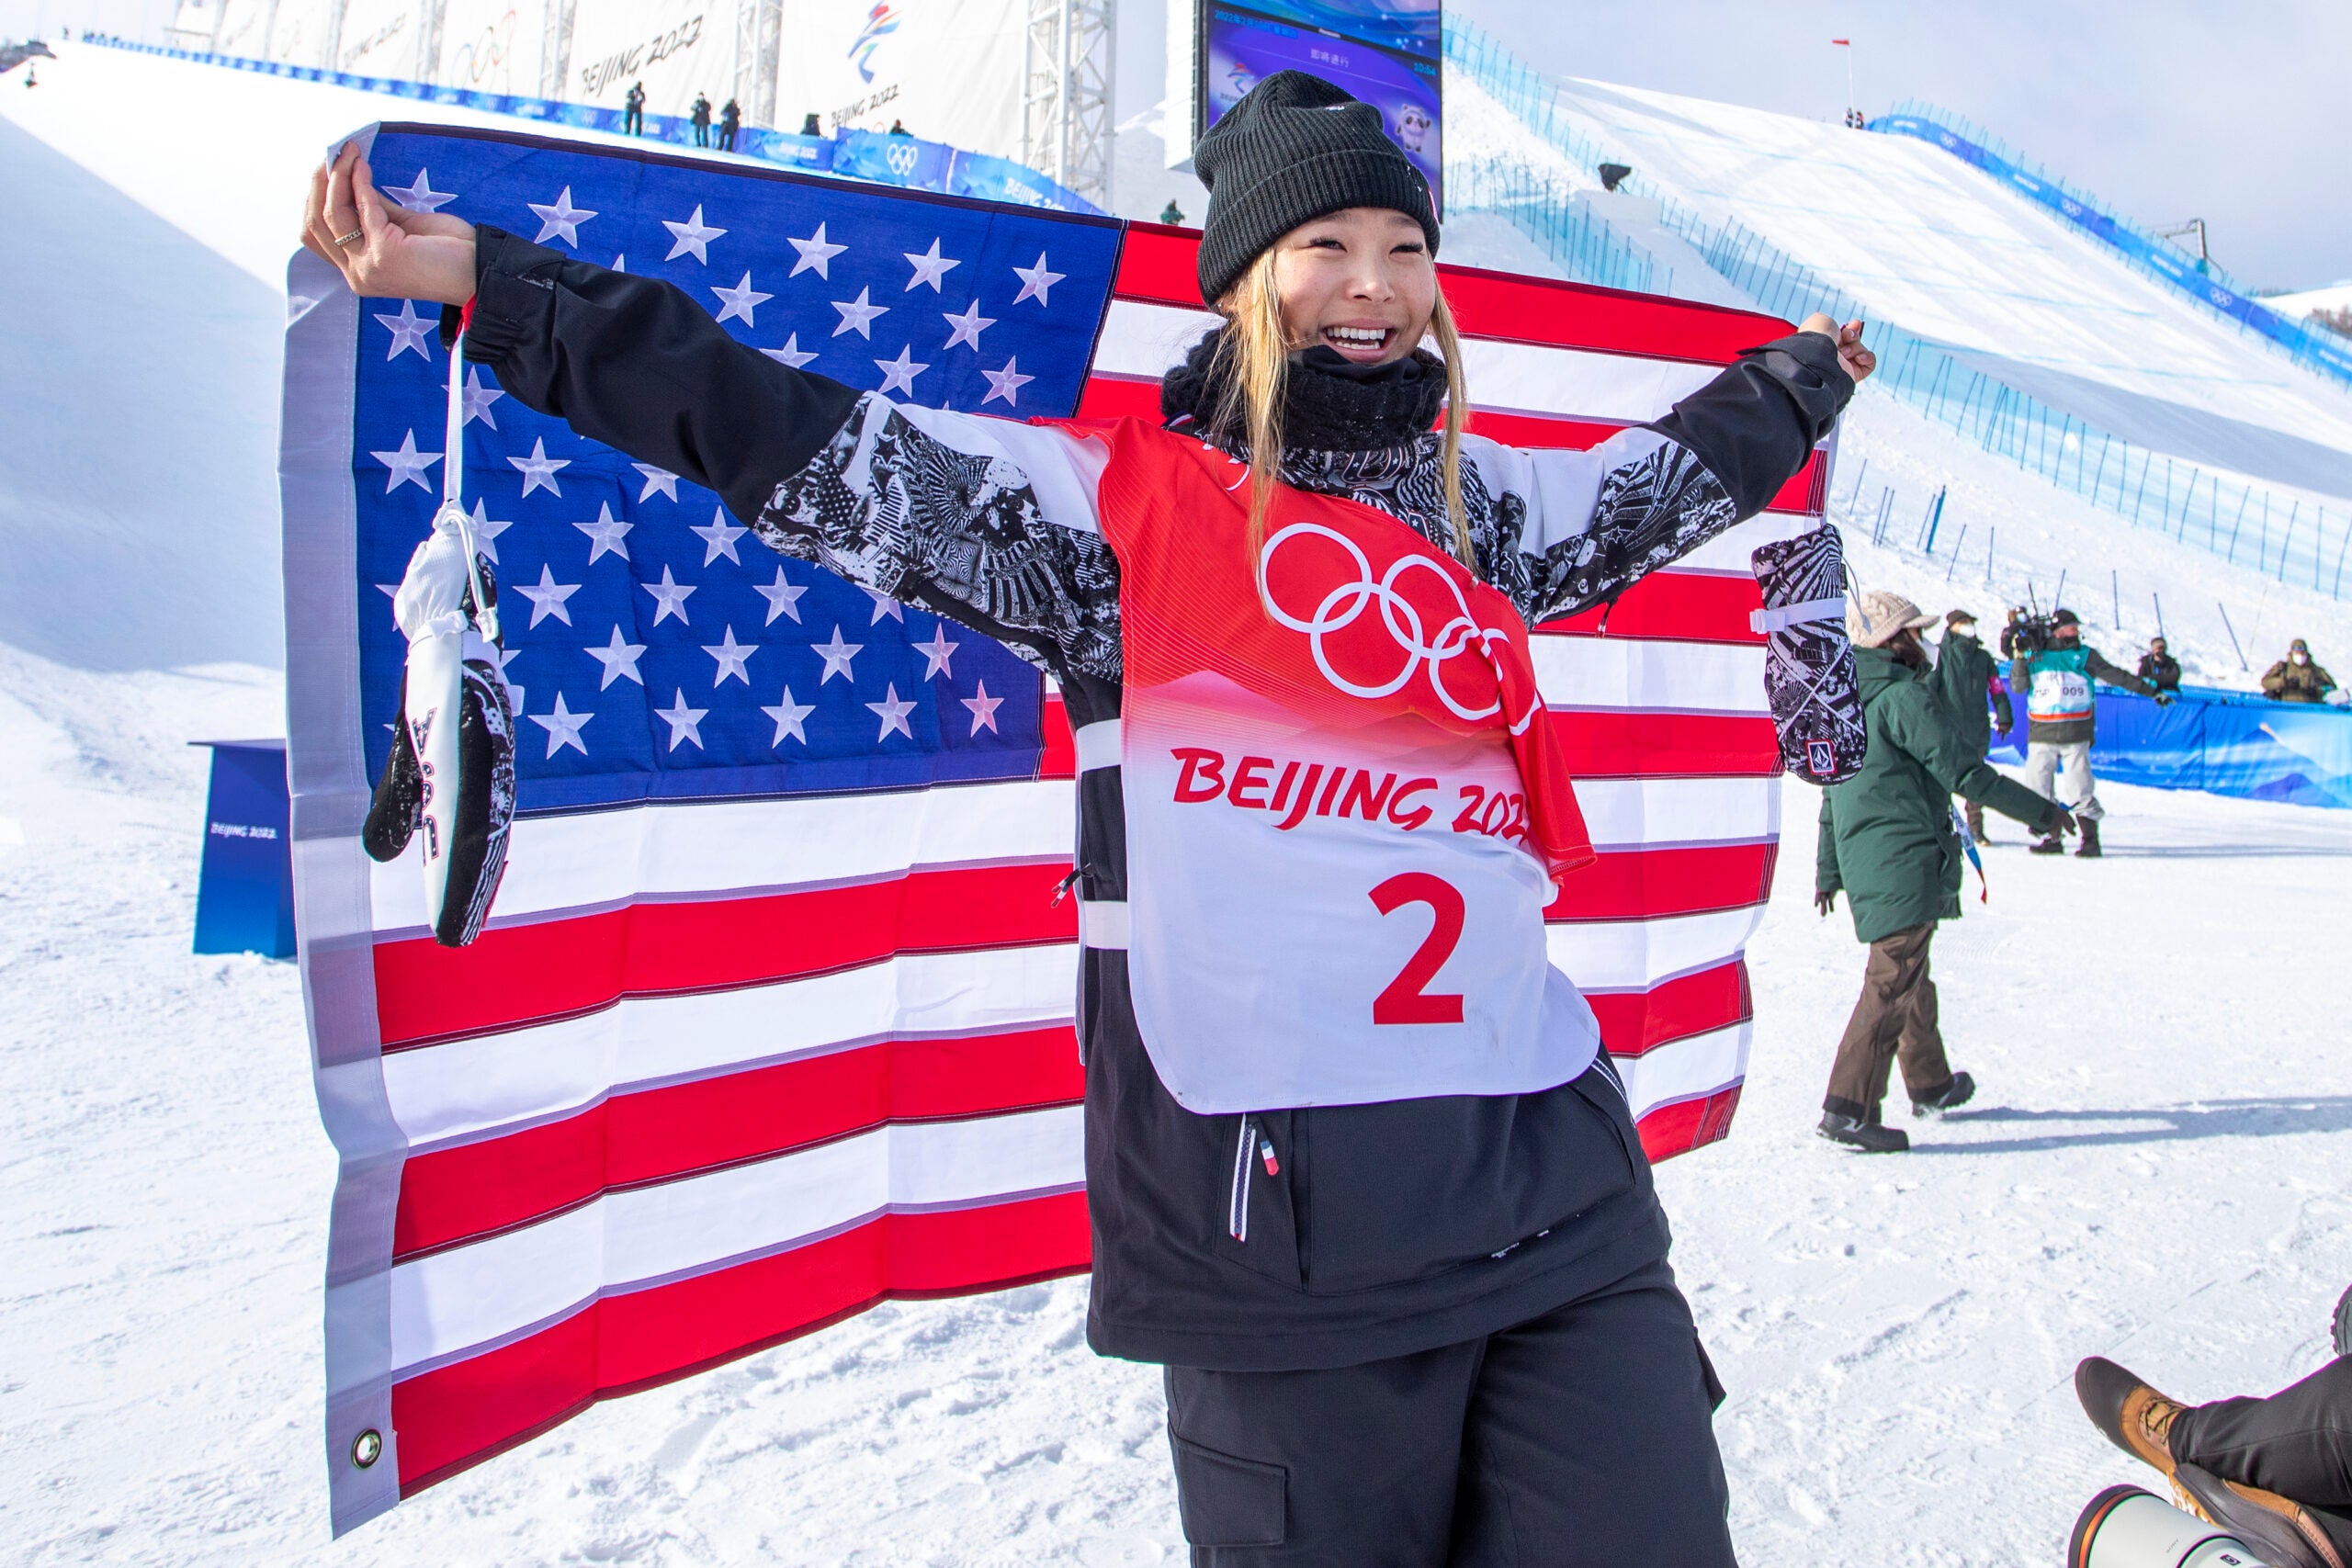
[[2161, 671], [1391, 1228]]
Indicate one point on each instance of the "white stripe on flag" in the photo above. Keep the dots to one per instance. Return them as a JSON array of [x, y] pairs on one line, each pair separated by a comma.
[[1686, 1068], [594, 860], [1633, 956], [1651, 814], [461, 1089], [1588, 673], [450, 1303]]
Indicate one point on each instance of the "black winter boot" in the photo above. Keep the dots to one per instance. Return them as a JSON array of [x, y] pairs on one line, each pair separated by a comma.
[[2089, 850], [1959, 1090], [2048, 844], [1867, 1136]]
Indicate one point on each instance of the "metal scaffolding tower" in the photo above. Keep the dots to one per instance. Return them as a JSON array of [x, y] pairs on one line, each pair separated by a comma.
[[555, 48], [1066, 94], [759, 36]]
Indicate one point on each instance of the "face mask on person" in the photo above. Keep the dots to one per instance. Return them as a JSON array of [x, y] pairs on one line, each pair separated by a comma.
[[2300, 658], [1963, 628]]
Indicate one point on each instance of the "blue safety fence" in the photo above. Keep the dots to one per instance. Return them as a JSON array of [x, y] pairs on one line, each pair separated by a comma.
[[904, 161], [2220, 742], [2282, 536], [2205, 282]]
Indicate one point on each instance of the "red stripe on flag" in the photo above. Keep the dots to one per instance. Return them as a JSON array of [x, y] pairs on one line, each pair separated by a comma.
[[1677, 1129], [457, 1415], [1603, 321], [457, 1194], [1650, 884], [1677, 606], [1616, 744], [1159, 264], [1059, 758], [1634, 1021], [562, 967]]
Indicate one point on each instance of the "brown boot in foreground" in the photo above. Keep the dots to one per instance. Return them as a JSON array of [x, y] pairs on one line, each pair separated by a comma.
[[2135, 1417], [2089, 850]]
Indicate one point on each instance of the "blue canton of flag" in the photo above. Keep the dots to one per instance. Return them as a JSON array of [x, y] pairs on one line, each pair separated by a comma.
[[658, 648]]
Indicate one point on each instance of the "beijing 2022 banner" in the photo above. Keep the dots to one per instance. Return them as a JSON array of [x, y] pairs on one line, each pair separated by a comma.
[[1386, 54]]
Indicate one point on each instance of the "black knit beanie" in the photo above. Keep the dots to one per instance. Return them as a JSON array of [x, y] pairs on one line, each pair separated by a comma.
[[1295, 148]]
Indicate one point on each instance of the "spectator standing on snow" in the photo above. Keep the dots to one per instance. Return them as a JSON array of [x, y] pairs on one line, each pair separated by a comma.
[[2062, 718], [1483, 1357], [633, 110], [2295, 679], [1887, 844], [730, 120], [809, 124], [699, 117], [898, 127], [1967, 679], [1172, 213], [2159, 668]]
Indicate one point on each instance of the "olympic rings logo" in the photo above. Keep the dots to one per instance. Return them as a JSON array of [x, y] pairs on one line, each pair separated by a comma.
[[1345, 605]]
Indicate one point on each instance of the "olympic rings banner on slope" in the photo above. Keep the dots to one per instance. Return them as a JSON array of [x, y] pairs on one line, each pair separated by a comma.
[[904, 161], [2305, 345]]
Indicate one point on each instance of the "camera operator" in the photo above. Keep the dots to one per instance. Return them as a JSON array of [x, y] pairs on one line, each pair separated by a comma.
[[2056, 670]]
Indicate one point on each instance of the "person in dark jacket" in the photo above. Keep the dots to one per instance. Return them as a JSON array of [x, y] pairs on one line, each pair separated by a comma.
[[633, 110], [1887, 844], [730, 120], [1433, 1325], [699, 117], [1968, 679], [2011, 630], [2063, 720], [2159, 667], [2295, 679]]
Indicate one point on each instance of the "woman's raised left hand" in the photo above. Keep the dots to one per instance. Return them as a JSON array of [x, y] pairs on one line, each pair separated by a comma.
[[1859, 361], [385, 251]]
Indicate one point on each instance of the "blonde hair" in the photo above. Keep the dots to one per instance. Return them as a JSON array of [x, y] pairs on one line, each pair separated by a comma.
[[1252, 361]]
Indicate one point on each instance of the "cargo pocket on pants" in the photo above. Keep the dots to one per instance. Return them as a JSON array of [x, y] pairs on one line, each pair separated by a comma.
[[1224, 1501]]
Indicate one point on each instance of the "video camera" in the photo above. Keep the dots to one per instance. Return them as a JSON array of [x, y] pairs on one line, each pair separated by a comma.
[[2034, 634]]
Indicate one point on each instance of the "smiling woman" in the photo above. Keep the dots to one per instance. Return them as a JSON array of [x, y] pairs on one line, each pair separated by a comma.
[[1356, 1171]]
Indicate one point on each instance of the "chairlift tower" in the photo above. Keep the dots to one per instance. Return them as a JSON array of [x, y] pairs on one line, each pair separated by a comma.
[[1066, 94], [759, 36]]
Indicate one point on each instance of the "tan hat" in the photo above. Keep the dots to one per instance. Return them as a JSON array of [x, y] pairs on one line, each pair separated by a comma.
[[1875, 617]]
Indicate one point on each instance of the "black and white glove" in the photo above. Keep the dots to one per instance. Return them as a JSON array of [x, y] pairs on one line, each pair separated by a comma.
[[1808, 664]]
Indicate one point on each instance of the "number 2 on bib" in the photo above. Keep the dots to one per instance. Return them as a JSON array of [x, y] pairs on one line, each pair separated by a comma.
[[1404, 1001]]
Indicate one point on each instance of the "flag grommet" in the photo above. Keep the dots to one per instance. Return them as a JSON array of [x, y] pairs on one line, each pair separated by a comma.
[[367, 1448]]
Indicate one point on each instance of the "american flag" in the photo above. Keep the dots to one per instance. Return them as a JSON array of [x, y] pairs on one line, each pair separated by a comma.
[[773, 1018]]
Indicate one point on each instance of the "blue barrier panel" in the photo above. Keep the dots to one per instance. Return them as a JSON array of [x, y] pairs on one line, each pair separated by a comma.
[[245, 896], [2221, 742]]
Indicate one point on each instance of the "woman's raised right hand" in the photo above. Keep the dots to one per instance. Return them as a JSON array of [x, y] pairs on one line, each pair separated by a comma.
[[385, 251]]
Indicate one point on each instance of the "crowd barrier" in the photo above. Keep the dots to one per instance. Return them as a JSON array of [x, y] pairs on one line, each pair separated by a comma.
[[2312, 349], [2146, 488], [885, 159], [2220, 742]]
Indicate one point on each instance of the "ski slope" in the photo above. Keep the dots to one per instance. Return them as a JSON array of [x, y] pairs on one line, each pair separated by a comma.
[[2152, 1170], [1941, 249]]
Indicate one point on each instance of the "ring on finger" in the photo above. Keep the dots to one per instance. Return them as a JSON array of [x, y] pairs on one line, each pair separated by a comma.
[[345, 240]]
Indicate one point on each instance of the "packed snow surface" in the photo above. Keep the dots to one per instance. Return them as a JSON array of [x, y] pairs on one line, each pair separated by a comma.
[[1948, 253], [2154, 1169]]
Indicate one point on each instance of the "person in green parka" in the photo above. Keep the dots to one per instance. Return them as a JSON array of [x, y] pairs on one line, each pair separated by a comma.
[[1967, 678], [1887, 841]]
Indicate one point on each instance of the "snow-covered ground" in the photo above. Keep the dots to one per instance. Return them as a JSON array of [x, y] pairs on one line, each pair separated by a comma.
[[2153, 1170]]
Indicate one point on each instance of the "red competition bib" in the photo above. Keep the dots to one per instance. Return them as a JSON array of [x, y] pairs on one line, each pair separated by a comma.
[[1345, 805]]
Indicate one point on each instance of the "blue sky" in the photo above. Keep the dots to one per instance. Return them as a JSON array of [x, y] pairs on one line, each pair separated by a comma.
[[2240, 114]]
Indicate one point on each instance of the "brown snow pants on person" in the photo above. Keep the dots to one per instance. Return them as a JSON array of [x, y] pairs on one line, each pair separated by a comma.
[[1894, 1019]]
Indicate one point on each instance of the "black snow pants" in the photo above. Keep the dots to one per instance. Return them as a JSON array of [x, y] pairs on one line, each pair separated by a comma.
[[1580, 1439], [2297, 1443]]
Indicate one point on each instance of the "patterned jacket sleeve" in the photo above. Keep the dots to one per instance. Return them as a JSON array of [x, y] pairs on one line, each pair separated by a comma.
[[1574, 529], [986, 520]]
